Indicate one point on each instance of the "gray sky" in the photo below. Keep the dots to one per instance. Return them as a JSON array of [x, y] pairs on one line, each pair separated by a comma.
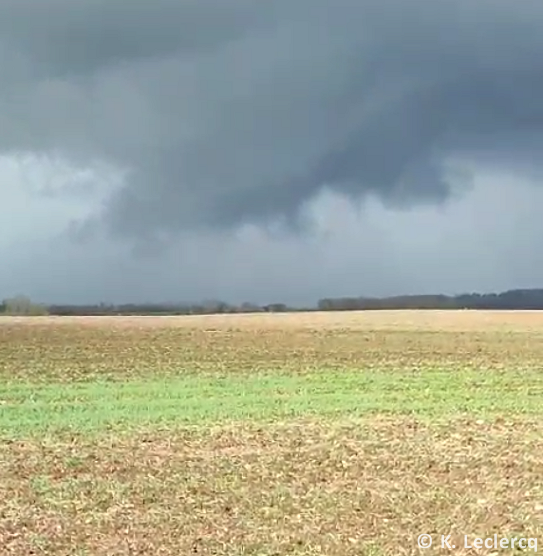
[[175, 150]]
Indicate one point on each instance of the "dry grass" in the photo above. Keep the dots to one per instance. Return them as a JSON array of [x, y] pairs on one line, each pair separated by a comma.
[[307, 488], [61, 349], [317, 484]]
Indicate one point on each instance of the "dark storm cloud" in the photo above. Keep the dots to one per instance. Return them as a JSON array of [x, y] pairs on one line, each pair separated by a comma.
[[231, 112]]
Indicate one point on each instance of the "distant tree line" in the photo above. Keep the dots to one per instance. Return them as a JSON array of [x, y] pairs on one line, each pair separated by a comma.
[[203, 308], [528, 299]]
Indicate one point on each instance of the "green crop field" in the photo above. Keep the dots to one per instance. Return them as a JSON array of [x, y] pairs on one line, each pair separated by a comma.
[[330, 434]]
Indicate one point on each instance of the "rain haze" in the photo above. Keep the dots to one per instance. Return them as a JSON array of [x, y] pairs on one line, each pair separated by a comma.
[[180, 150]]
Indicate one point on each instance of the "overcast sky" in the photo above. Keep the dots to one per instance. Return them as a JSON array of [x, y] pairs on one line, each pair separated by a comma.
[[173, 150]]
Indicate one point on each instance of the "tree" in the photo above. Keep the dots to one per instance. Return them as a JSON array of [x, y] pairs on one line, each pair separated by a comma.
[[22, 306]]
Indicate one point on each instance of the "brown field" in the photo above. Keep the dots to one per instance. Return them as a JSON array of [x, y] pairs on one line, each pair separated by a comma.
[[275, 434], [438, 320]]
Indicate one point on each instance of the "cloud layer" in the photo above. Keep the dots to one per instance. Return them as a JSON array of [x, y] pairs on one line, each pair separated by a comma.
[[223, 113]]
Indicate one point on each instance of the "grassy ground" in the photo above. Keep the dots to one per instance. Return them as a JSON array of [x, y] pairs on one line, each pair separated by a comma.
[[332, 434]]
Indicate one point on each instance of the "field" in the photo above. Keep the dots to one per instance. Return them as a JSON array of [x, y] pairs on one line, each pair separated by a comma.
[[330, 434]]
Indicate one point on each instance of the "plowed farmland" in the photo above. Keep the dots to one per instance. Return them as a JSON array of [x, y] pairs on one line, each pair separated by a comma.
[[330, 434]]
